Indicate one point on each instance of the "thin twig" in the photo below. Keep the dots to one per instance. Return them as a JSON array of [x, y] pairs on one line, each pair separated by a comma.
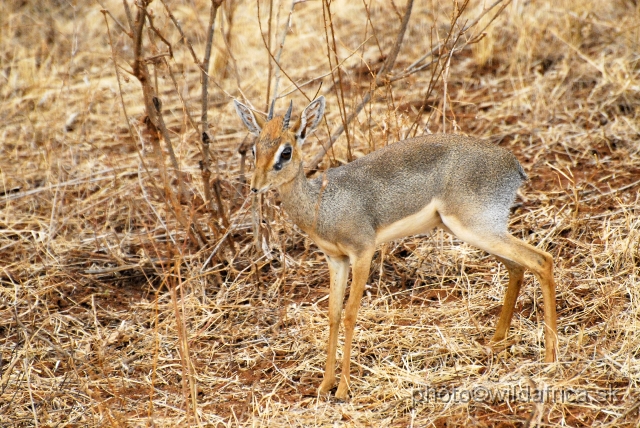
[[337, 86], [286, 30], [127, 12], [230, 229], [445, 81], [190, 118], [190, 47], [183, 37], [153, 104], [270, 68], [226, 39], [255, 200], [276, 62], [159, 34], [124, 107], [413, 68], [122, 27], [417, 62], [380, 80], [320, 77], [438, 71], [156, 126], [205, 137]]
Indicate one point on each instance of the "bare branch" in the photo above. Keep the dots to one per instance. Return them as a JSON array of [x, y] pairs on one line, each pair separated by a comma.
[[159, 34], [319, 78], [337, 86], [215, 4], [380, 80], [277, 63], [190, 47], [287, 27], [124, 107], [439, 68], [269, 30], [122, 27], [417, 62], [155, 124], [384, 76], [184, 38], [127, 12], [395, 49]]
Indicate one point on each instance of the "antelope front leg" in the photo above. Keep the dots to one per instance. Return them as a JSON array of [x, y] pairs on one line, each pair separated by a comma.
[[338, 273], [360, 269]]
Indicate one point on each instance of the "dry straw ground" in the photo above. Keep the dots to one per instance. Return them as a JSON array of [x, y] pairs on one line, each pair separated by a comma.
[[114, 313]]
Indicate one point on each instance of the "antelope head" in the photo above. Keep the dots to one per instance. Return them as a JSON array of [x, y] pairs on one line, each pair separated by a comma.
[[277, 149]]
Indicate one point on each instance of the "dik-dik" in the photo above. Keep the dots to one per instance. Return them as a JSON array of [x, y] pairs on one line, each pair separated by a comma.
[[461, 184]]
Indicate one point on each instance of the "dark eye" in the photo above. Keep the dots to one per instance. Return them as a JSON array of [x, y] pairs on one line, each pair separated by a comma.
[[286, 154], [253, 151]]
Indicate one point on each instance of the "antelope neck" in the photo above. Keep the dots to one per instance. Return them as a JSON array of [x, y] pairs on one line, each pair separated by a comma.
[[300, 200]]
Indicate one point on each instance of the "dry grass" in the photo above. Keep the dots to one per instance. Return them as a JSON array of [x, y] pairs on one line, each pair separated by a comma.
[[111, 316]]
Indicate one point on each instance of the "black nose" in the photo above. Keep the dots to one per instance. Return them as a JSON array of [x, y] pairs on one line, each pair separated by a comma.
[[254, 190]]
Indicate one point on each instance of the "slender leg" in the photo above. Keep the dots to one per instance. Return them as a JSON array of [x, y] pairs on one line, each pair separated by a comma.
[[550, 316], [537, 261], [541, 264], [516, 275], [338, 273], [360, 268]]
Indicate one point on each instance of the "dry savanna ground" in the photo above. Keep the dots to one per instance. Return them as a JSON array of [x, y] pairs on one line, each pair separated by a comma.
[[134, 294]]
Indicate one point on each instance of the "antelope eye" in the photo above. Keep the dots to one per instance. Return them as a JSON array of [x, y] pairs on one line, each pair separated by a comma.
[[286, 154], [253, 151]]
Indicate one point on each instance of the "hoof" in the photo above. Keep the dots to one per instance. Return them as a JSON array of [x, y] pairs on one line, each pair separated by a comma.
[[326, 386], [497, 346], [343, 392]]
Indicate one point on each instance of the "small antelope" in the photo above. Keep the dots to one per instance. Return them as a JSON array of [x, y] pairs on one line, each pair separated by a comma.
[[461, 184]]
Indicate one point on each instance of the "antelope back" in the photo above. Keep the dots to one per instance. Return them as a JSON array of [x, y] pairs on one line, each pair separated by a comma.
[[277, 149]]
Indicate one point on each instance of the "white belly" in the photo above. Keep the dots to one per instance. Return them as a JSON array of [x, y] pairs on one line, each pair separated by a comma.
[[421, 222]]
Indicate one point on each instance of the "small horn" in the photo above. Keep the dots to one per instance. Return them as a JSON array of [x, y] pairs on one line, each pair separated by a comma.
[[273, 105], [287, 117]]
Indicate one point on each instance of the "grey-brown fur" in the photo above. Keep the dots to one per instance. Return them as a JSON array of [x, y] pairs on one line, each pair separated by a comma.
[[400, 179]]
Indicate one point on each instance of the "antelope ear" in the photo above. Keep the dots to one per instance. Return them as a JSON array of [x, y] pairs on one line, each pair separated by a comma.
[[253, 123], [309, 120]]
